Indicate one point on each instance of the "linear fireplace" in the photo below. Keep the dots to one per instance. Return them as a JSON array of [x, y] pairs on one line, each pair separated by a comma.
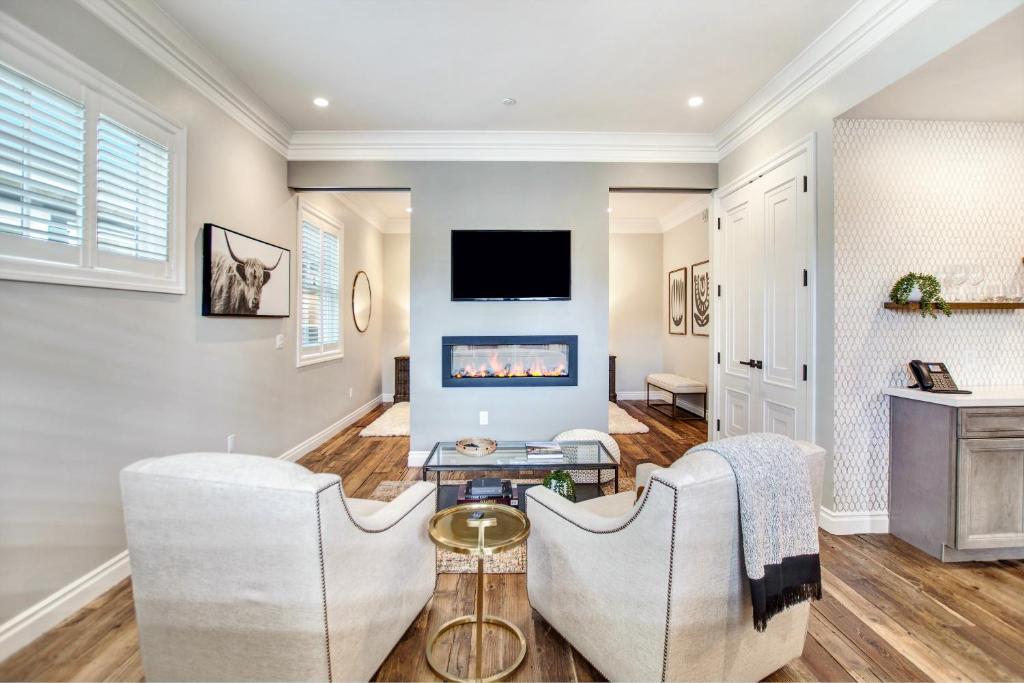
[[509, 361]]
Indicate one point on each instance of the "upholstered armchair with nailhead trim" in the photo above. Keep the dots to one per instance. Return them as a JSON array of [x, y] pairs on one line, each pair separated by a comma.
[[654, 589], [248, 568]]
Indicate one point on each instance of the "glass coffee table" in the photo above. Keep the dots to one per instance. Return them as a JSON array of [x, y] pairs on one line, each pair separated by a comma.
[[510, 457]]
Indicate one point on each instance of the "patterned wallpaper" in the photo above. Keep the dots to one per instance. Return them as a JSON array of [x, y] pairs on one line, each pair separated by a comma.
[[917, 196]]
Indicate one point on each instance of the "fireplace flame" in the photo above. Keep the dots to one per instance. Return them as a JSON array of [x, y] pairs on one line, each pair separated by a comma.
[[494, 367]]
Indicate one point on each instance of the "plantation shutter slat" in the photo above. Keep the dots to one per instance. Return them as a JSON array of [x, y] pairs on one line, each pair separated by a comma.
[[320, 277], [42, 161], [132, 192]]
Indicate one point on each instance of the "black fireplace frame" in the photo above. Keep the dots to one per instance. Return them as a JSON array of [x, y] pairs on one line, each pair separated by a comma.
[[569, 380]]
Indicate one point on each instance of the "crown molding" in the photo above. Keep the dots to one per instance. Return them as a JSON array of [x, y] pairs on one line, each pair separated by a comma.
[[861, 29], [148, 27], [853, 35], [462, 145]]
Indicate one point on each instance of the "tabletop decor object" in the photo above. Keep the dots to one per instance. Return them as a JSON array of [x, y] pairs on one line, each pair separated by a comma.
[[561, 483], [479, 530], [476, 445]]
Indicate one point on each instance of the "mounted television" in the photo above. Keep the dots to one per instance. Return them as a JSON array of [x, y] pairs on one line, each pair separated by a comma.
[[511, 265]]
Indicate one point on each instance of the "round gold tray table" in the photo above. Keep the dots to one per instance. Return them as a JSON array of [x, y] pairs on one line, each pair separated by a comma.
[[478, 529]]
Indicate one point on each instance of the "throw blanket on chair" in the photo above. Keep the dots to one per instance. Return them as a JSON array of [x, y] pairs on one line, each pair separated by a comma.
[[777, 521]]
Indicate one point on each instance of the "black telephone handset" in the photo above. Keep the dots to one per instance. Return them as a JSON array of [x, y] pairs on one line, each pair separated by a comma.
[[934, 377]]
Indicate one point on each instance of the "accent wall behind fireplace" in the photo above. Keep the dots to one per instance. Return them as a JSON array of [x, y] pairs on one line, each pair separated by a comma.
[[509, 361]]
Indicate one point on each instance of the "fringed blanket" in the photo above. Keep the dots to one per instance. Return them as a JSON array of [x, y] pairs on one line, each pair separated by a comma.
[[777, 521]]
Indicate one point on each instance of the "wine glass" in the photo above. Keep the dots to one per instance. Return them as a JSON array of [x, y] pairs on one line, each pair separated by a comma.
[[975, 276], [958, 277]]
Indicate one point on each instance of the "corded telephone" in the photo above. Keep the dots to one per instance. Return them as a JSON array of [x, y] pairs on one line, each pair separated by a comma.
[[934, 377]]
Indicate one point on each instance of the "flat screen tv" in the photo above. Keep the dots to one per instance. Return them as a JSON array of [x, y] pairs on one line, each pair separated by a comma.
[[511, 265]]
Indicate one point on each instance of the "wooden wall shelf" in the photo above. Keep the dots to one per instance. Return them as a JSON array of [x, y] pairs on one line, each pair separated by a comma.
[[961, 306]]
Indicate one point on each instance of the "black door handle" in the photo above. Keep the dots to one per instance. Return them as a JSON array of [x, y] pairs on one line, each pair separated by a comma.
[[752, 363], [760, 365]]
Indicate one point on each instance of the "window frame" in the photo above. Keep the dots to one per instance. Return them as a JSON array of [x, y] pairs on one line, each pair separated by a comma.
[[87, 266], [308, 213]]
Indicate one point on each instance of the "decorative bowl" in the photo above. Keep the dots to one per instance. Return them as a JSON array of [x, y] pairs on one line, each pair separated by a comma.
[[476, 445]]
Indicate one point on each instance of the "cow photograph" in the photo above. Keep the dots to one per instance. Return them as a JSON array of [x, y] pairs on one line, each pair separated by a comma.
[[244, 276]]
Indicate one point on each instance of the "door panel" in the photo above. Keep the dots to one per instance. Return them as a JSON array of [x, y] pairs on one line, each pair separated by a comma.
[[763, 249]]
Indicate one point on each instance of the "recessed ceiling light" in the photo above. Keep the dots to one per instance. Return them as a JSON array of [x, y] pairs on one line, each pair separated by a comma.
[[320, 102], [408, 209], [609, 209], [509, 101], [695, 101]]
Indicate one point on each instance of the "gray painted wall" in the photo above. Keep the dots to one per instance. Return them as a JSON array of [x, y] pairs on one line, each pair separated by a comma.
[[448, 195], [395, 336], [687, 354], [937, 29], [635, 307], [95, 379]]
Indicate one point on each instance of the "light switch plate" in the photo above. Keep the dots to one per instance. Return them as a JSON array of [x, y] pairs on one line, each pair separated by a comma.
[[484, 418], [279, 341]]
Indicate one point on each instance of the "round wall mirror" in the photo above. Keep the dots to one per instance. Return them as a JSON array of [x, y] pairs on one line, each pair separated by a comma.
[[361, 303]]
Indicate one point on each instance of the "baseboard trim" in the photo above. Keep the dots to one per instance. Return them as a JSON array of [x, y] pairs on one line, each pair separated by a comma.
[[846, 523], [25, 627], [49, 612], [417, 458], [321, 437], [695, 408]]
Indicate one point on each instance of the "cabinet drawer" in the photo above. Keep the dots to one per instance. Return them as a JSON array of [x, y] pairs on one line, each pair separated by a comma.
[[977, 423]]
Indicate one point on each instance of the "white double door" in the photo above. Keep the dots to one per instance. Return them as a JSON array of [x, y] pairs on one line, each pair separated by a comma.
[[764, 248]]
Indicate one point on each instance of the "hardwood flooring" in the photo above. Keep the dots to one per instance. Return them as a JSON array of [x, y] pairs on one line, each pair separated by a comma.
[[889, 613]]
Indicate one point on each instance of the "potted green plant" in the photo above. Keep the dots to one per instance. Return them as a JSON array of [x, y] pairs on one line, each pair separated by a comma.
[[561, 483], [922, 289]]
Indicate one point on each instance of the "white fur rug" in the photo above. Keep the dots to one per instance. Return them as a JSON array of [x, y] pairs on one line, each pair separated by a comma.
[[395, 422], [621, 422]]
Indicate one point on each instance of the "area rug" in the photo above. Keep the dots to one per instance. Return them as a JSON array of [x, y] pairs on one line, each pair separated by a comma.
[[509, 562], [395, 422], [621, 422]]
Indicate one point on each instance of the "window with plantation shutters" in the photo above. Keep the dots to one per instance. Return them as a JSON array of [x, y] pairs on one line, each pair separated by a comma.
[[132, 187], [42, 166], [320, 260], [91, 181]]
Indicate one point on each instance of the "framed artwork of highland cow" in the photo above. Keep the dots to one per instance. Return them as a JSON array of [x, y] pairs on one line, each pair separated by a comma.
[[677, 301], [244, 276], [701, 274]]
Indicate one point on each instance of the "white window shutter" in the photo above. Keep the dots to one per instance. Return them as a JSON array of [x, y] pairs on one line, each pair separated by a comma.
[[320, 268], [132, 188], [42, 160]]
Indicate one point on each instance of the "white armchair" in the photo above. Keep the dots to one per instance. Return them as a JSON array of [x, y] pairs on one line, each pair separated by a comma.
[[250, 568], [655, 590]]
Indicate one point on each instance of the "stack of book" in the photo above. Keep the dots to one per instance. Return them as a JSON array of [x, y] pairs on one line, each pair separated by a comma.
[[543, 450], [489, 489]]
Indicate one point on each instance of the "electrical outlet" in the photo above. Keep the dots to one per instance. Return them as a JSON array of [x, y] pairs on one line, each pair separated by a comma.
[[231, 443], [279, 341], [350, 392], [484, 418]]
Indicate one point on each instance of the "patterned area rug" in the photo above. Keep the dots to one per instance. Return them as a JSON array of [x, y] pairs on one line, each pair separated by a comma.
[[510, 562]]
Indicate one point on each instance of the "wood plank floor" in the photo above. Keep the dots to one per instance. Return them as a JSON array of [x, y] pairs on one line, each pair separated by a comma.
[[889, 613]]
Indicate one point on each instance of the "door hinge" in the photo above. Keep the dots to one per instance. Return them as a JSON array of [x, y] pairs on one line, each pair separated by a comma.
[[719, 290], [805, 277], [805, 183], [718, 425], [719, 359], [805, 372], [719, 222]]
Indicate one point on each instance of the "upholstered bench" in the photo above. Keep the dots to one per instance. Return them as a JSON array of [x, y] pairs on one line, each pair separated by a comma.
[[677, 385]]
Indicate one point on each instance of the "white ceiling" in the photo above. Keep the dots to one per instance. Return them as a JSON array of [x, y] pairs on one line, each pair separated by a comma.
[[643, 212], [573, 65], [384, 209], [980, 79]]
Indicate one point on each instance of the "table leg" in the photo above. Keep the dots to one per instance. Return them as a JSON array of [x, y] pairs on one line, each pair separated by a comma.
[[616, 479]]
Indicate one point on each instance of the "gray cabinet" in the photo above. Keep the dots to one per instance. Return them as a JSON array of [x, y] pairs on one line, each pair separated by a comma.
[[956, 479], [990, 493]]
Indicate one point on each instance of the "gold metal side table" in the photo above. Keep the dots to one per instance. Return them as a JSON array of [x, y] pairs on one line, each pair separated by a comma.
[[478, 529]]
